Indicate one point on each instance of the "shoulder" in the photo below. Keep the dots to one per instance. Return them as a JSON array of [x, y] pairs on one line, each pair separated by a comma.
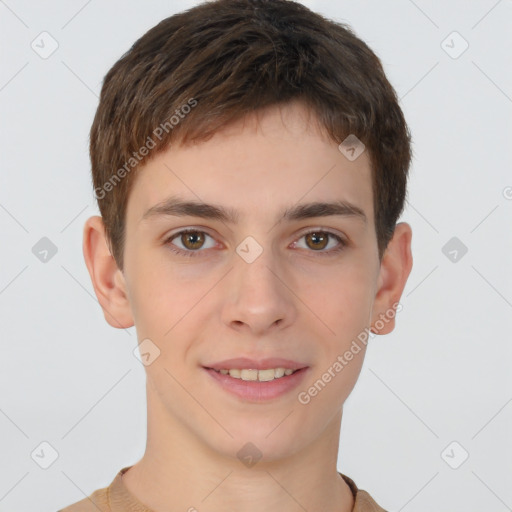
[[363, 502], [96, 502], [366, 503]]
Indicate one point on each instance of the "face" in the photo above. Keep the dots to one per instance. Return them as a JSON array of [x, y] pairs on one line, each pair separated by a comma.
[[256, 284]]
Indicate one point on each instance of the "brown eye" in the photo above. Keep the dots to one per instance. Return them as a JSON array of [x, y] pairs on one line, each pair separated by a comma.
[[190, 242], [192, 239], [318, 239]]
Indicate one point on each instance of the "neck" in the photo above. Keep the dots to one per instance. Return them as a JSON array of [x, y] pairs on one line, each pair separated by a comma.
[[183, 472]]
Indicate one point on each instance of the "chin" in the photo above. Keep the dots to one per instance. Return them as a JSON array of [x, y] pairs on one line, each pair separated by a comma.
[[250, 442]]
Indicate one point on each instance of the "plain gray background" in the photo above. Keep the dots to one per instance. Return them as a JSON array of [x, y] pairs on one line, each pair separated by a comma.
[[443, 376]]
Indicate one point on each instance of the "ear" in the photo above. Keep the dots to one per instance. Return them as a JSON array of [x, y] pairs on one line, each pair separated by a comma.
[[395, 268], [108, 281]]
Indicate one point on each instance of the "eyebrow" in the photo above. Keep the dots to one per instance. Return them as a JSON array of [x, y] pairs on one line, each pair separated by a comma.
[[178, 207]]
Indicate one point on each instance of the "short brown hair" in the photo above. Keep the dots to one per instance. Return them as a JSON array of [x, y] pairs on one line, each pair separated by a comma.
[[198, 70]]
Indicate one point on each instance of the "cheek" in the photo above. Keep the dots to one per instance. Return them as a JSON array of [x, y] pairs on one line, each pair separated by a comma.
[[342, 295], [152, 296], [166, 300]]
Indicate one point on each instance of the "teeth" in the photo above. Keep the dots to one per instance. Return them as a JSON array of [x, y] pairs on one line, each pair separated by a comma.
[[259, 375], [279, 372], [264, 375], [248, 374]]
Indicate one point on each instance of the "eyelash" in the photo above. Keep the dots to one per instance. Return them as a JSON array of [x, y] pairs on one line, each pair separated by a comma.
[[190, 253]]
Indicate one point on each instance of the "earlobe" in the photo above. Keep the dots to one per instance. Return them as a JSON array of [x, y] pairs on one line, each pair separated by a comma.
[[395, 268], [108, 281]]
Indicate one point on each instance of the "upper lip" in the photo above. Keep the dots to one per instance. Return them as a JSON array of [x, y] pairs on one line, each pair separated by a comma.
[[241, 363]]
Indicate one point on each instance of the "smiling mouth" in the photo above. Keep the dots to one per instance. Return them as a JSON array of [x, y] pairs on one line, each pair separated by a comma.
[[257, 375]]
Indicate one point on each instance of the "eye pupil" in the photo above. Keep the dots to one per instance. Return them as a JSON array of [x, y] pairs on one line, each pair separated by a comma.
[[315, 236], [187, 238]]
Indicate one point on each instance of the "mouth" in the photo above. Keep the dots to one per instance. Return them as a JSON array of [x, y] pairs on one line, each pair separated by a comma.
[[252, 374], [257, 384], [262, 370]]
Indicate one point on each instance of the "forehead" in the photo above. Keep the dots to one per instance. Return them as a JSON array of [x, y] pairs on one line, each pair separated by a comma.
[[263, 164]]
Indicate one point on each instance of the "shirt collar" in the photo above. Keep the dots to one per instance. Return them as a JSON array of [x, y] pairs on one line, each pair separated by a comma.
[[121, 500]]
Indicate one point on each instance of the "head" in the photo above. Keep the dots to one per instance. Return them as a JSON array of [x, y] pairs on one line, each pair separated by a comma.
[[242, 105]]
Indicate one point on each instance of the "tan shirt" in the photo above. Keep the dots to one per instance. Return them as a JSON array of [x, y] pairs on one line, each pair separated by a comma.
[[116, 498]]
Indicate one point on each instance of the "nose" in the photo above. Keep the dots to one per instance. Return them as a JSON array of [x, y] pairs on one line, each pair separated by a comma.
[[258, 296]]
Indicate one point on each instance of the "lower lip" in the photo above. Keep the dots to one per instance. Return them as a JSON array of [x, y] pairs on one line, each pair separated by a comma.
[[256, 391]]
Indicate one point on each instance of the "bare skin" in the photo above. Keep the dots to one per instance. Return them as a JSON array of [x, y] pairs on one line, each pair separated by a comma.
[[298, 300]]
